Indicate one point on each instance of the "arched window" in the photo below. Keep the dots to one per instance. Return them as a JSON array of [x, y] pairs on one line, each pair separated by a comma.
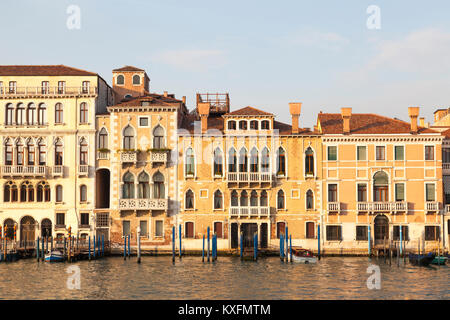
[[136, 79], [10, 193], [120, 80], [254, 160], [231, 125], [265, 125], [23, 192], [43, 192], [42, 114], [30, 152], [8, 152], [218, 165], [83, 193], [59, 113], [128, 138], [20, 114], [380, 187], [83, 152], [59, 193], [309, 200], [254, 199], [263, 199], [243, 160], [158, 138], [158, 186], [254, 125], [84, 112], [31, 114], [128, 186], [189, 200], [9, 228], [143, 186], [30, 191], [309, 162], [281, 162], [103, 139], [243, 125], [9, 116], [265, 160], [58, 153], [46, 228], [280, 199], [42, 150], [190, 162], [244, 199], [19, 153], [234, 199], [218, 200], [232, 160]]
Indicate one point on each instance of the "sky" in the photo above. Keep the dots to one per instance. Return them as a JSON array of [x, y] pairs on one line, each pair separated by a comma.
[[265, 54]]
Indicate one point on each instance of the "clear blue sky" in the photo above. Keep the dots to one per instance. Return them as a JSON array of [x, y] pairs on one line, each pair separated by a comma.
[[264, 53]]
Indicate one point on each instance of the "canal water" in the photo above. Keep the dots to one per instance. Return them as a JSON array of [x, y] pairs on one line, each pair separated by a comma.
[[228, 278]]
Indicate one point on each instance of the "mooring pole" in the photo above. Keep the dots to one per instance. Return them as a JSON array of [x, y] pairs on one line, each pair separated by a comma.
[[208, 243], [129, 246], [124, 247], [173, 244], [94, 247], [318, 241], [180, 237], [89, 248], [203, 249], [139, 245], [390, 252], [439, 251], [255, 246], [242, 245], [384, 248], [42, 251], [37, 249], [287, 244], [369, 238], [290, 246], [103, 245], [281, 246], [401, 239]]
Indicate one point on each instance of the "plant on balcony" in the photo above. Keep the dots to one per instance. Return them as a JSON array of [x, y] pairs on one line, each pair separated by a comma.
[[128, 150], [103, 150], [158, 150]]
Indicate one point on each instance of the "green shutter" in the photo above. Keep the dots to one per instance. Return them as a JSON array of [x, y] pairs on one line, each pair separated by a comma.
[[361, 153], [399, 153], [399, 192], [430, 192], [332, 153]]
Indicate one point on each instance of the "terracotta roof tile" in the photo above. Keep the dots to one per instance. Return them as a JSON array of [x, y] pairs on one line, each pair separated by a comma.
[[249, 111], [152, 98], [128, 68], [43, 70]]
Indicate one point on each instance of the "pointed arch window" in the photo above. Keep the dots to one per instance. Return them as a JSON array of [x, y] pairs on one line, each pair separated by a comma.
[[43, 192], [218, 200], [128, 138], [281, 162], [158, 138], [83, 152], [20, 114], [265, 160], [42, 114], [309, 200], [10, 193], [30, 191], [84, 113], [254, 199], [128, 186], [8, 153], [218, 162], [58, 153], [158, 186], [244, 199], [30, 152], [190, 162], [9, 116], [232, 160], [254, 160], [42, 150], [19, 153], [263, 199], [309, 162], [234, 199], [143, 186], [103, 139], [31, 114], [243, 160], [23, 191], [189, 200], [280, 199], [59, 113]]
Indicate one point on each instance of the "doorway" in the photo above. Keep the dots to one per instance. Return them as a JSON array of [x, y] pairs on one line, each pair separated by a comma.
[[381, 223]]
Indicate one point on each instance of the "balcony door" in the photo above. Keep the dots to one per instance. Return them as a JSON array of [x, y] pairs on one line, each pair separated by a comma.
[[380, 194]]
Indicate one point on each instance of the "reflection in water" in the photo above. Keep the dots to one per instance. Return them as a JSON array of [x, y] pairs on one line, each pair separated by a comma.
[[228, 278]]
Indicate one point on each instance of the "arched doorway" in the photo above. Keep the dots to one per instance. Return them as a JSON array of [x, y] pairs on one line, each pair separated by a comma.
[[102, 182], [381, 226], [27, 229], [8, 229], [46, 228]]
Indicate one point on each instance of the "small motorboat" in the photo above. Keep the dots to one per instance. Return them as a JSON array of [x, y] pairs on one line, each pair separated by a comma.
[[303, 256], [54, 256], [439, 260], [421, 260]]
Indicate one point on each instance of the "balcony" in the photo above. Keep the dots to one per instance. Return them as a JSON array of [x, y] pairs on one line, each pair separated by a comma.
[[24, 171], [102, 155], [447, 208], [83, 170], [47, 92], [386, 207], [158, 156], [84, 226], [57, 171], [128, 156], [143, 204], [248, 212], [446, 168], [334, 207], [432, 206], [249, 177]]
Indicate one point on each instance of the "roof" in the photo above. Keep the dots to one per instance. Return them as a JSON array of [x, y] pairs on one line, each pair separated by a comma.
[[446, 133], [286, 129], [43, 70], [128, 68], [152, 98], [248, 111], [366, 123]]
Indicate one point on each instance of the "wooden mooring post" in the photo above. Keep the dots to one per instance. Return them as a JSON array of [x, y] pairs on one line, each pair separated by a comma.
[[124, 247], [37, 249], [180, 236], [129, 246], [208, 243], [241, 242], [287, 245], [89, 248], [203, 249], [173, 244], [139, 245]]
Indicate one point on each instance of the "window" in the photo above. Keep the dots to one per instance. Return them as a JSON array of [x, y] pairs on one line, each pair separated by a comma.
[[396, 233], [42, 150], [58, 153], [143, 186], [309, 162], [380, 154], [243, 201], [280, 199], [218, 166], [309, 200], [399, 192], [446, 155], [243, 160], [189, 200], [103, 139], [254, 160], [8, 153], [218, 200], [399, 153], [243, 125], [143, 121], [281, 229], [59, 113], [332, 153], [59, 193], [361, 153], [281, 162], [159, 228], [1, 87], [9, 114], [362, 233], [45, 85], [334, 233], [61, 87], [136, 80], [218, 229], [158, 138], [232, 160], [42, 114], [102, 219], [144, 228], [12, 86], [158, 186], [10, 192], [19, 153], [20, 114], [31, 114], [126, 228], [83, 193], [84, 219], [23, 192], [380, 187], [263, 202], [362, 192], [231, 125], [85, 87], [432, 233], [310, 230], [120, 80], [84, 113], [430, 194], [189, 230], [83, 152], [265, 125], [253, 199], [254, 125], [128, 138], [43, 192], [128, 186], [61, 219], [30, 152], [190, 162], [429, 152], [332, 193], [234, 199], [265, 160]]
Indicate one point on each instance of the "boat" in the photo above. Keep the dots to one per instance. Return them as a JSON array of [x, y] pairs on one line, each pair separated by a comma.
[[421, 260], [303, 256], [54, 256], [440, 260]]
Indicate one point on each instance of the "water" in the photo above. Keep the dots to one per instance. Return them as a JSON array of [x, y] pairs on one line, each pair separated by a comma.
[[228, 278]]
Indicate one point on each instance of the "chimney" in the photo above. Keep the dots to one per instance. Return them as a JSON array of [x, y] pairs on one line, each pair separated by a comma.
[[413, 115], [422, 122], [346, 114], [165, 94], [183, 99], [295, 108], [203, 110]]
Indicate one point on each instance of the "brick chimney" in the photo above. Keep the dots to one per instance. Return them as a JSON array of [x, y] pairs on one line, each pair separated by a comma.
[[422, 122], [346, 116], [203, 110], [295, 108], [413, 115]]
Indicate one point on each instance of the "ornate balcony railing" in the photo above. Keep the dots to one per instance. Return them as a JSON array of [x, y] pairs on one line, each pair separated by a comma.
[[250, 211], [128, 156], [143, 204], [432, 206], [83, 170], [375, 207], [158, 156], [32, 171], [334, 207], [47, 91], [247, 177], [102, 155], [447, 208], [57, 171]]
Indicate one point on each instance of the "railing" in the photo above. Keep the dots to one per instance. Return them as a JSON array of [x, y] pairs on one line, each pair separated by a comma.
[[143, 204], [249, 177], [83, 170], [373, 207], [101, 155], [48, 91], [57, 171], [128, 156], [249, 211], [432, 206], [24, 171], [158, 156], [447, 208], [84, 226], [334, 206]]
